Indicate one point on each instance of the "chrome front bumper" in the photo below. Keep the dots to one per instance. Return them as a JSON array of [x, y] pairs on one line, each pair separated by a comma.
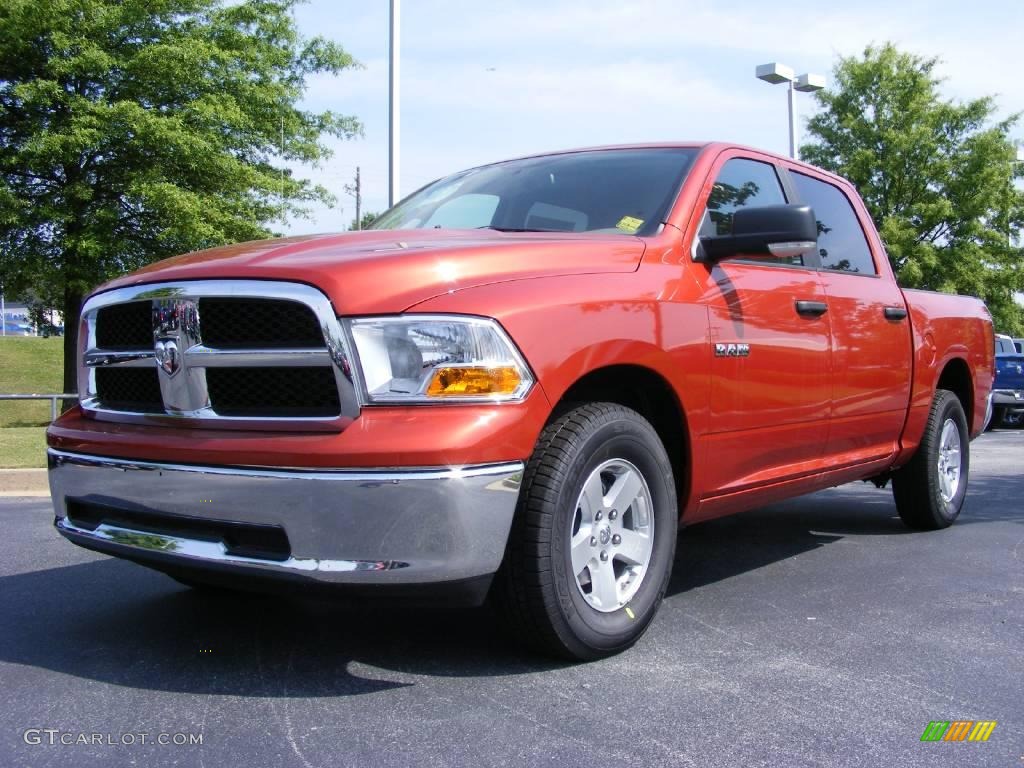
[[366, 527], [1012, 398]]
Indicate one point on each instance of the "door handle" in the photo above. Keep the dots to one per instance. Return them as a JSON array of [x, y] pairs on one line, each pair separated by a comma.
[[895, 313], [811, 308]]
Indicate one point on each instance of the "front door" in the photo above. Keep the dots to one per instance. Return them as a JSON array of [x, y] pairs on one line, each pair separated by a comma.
[[770, 347]]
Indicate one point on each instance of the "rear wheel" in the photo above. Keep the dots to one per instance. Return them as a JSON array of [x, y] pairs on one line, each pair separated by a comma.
[[592, 544], [930, 489]]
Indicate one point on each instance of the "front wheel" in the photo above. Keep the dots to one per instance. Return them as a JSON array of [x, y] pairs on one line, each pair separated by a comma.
[[592, 544], [930, 489]]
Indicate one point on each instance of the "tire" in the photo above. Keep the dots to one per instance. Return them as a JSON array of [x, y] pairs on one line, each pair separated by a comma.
[[991, 424], [606, 605], [930, 489], [997, 419]]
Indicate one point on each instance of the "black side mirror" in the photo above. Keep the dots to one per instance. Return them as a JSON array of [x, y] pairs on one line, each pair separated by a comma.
[[772, 230]]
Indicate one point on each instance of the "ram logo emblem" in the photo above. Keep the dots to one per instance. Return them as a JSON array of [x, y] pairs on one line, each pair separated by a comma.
[[167, 356], [732, 350]]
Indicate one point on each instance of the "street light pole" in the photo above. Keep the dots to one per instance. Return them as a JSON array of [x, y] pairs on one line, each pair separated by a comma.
[[393, 103], [776, 73], [792, 120]]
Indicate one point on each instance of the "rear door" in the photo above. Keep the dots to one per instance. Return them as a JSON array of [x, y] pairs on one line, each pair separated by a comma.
[[770, 375], [871, 338]]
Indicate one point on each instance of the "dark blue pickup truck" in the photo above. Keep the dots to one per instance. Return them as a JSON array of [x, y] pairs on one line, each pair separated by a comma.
[[1008, 387]]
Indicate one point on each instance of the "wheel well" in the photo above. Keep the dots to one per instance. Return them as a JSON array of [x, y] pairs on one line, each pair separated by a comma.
[[650, 395], [956, 377]]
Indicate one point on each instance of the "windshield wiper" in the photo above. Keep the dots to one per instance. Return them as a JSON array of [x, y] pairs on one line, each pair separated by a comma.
[[524, 229]]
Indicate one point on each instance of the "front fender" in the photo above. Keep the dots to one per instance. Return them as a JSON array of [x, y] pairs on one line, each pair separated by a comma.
[[569, 326]]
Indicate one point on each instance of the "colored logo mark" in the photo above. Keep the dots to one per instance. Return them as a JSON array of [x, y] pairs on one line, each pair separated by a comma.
[[958, 730]]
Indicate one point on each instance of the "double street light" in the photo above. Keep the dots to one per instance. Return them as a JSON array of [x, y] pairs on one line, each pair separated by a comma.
[[776, 73]]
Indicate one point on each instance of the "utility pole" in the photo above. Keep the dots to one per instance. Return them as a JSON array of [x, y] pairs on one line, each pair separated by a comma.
[[356, 191], [394, 29]]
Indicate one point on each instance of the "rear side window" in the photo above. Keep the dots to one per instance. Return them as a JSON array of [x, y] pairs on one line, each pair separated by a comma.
[[841, 240]]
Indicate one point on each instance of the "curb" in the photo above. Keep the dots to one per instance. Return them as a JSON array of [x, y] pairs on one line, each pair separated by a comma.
[[23, 482]]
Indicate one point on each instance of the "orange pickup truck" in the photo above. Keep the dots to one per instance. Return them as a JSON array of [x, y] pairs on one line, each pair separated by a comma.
[[517, 386]]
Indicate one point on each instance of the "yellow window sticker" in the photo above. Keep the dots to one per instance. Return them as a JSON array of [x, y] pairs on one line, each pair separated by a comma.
[[629, 224]]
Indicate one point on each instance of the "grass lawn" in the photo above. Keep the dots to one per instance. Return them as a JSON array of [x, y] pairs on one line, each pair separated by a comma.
[[29, 365], [22, 447]]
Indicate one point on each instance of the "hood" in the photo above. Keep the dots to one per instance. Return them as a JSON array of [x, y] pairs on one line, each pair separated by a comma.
[[384, 271]]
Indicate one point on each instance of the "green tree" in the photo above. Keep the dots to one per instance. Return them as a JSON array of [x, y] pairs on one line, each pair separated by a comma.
[[132, 130], [364, 222], [937, 176]]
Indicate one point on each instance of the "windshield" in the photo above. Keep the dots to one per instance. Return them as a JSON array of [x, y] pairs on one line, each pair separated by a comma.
[[622, 191]]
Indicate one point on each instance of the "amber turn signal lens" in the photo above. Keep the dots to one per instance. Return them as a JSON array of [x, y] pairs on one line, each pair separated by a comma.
[[467, 382]]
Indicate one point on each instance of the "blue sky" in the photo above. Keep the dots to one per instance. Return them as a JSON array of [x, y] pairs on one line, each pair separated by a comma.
[[484, 81]]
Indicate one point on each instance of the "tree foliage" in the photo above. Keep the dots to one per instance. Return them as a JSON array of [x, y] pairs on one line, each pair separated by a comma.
[[937, 176], [131, 130], [364, 221]]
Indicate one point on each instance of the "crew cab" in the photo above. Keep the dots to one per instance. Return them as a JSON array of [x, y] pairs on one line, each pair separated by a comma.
[[518, 385]]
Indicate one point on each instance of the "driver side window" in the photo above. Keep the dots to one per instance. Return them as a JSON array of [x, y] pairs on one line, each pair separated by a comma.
[[742, 183]]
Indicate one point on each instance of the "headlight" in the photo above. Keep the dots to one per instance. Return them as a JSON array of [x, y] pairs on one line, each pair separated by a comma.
[[437, 358]]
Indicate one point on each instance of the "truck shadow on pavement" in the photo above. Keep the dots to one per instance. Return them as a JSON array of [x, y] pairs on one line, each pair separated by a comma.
[[117, 623], [719, 549]]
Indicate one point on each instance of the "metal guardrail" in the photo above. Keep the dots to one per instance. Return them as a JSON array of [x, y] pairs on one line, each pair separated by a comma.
[[52, 398]]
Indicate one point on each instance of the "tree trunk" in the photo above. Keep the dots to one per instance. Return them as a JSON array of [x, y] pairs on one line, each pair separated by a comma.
[[72, 310]]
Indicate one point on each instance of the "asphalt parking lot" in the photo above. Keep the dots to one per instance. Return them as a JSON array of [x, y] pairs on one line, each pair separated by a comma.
[[816, 632]]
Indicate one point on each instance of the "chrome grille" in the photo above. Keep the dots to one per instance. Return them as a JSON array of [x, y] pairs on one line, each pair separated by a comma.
[[287, 391], [125, 326], [252, 353], [267, 323], [129, 389]]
